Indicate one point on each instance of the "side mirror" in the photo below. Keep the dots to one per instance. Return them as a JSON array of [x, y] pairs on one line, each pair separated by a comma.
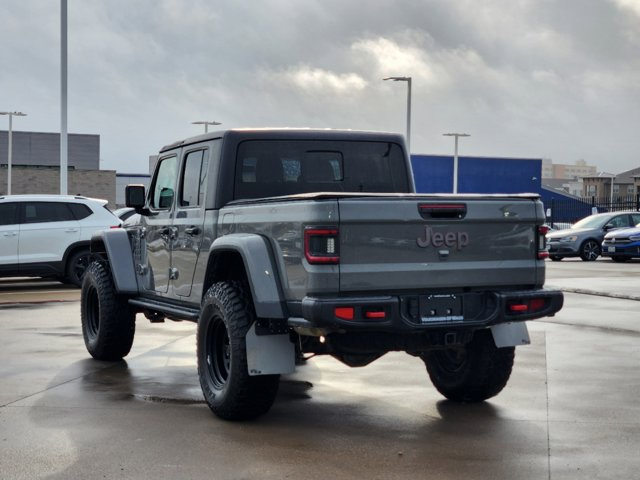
[[607, 227], [135, 196]]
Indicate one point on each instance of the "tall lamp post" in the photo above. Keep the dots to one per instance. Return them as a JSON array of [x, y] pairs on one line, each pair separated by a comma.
[[455, 157], [10, 152], [408, 80], [206, 124]]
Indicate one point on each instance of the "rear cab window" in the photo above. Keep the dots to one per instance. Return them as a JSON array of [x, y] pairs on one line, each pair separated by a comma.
[[266, 168]]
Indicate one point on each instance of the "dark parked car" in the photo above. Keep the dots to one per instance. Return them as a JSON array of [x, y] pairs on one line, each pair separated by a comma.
[[585, 237], [622, 245]]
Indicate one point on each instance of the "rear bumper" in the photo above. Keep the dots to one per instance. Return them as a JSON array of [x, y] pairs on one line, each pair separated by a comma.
[[427, 311]]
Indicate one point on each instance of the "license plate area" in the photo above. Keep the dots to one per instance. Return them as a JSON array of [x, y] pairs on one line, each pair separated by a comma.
[[441, 308], [611, 249]]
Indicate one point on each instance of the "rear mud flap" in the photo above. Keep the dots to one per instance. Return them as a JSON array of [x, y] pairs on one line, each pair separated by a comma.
[[510, 334], [269, 354]]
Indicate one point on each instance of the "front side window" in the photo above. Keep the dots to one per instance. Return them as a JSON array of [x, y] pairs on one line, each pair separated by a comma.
[[164, 184], [193, 179], [8, 213]]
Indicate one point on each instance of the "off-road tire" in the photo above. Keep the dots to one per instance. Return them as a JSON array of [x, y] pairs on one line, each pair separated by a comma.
[[472, 373], [108, 322], [76, 267], [229, 390], [589, 250]]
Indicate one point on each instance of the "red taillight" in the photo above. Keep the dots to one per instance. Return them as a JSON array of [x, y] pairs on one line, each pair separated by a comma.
[[321, 246], [519, 307], [531, 305], [542, 242], [116, 226], [375, 314], [344, 313]]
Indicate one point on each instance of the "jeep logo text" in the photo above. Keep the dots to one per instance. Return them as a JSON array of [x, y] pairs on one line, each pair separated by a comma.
[[459, 240]]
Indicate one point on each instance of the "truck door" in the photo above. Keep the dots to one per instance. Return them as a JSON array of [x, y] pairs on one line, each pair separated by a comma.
[[188, 223], [158, 229]]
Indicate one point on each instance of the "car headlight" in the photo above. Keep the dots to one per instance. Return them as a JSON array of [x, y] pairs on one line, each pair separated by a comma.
[[569, 239], [634, 238]]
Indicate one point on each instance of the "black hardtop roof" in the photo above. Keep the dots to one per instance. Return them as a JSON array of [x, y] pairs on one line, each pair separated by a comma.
[[289, 134]]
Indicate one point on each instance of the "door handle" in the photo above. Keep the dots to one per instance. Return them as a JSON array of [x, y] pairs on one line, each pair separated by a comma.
[[192, 231]]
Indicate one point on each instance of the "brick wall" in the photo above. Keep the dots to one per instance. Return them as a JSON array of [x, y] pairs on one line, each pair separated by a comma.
[[34, 180]]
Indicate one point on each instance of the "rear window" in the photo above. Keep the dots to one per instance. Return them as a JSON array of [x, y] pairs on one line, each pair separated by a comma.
[[266, 168]]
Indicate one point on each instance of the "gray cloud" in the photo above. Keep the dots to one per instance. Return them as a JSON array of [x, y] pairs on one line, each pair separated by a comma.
[[534, 78]]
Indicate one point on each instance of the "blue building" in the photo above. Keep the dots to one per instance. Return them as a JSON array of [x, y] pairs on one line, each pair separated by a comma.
[[434, 174]]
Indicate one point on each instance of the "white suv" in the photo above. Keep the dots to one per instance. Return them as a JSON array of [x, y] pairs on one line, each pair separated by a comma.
[[48, 235]]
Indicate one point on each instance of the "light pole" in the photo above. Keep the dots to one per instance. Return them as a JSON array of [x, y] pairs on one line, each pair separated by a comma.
[[408, 80], [64, 136], [11, 115], [455, 157], [206, 124]]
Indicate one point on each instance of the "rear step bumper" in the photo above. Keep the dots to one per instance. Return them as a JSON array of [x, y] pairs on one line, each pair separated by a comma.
[[426, 311]]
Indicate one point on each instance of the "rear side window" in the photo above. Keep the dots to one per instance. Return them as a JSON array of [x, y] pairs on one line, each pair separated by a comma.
[[80, 210], [42, 212], [8, 213], [267, 168], [193, 179]]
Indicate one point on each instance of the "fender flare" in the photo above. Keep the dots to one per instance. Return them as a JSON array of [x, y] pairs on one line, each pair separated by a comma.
[[261, 270], [115, 244]]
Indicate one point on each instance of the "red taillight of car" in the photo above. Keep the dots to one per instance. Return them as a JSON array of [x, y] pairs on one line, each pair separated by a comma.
[[344, 313], [531, 305], [542, 242], [321, 246], [116, 226]]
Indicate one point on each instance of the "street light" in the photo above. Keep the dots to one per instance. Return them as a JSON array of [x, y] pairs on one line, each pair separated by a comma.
[[455, 157], [408, 80], [11, 115], [206, 124]]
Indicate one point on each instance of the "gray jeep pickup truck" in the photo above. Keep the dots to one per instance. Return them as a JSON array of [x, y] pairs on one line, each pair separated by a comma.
[[284, 244]]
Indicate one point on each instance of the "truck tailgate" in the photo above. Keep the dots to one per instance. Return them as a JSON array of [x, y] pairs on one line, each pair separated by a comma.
[[391, 244]]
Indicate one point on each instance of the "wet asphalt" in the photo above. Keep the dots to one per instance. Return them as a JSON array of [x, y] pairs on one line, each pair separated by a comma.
[[570, 410]]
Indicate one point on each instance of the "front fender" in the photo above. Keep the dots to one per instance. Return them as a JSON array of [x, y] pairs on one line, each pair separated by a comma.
[[260, 268], [115, 244]]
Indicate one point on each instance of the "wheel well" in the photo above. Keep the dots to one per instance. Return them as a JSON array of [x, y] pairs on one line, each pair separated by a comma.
[[225, 265], [73, 249]]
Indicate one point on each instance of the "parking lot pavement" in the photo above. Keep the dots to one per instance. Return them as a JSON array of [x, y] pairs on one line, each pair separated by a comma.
[[602, 277], [570, 410]]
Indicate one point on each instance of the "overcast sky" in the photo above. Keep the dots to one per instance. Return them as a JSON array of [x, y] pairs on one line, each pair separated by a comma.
[[555, 79]]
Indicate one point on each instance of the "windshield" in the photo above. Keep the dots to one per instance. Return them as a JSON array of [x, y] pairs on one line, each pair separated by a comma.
[[593, 221]]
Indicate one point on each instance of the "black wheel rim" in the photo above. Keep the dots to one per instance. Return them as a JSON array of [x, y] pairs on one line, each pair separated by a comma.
[[218, 353], [92, 312], [79, 268], [591, 250], [451, 360]]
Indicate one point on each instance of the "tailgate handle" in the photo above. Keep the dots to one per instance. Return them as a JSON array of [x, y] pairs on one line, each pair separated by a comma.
[[442, 210]]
